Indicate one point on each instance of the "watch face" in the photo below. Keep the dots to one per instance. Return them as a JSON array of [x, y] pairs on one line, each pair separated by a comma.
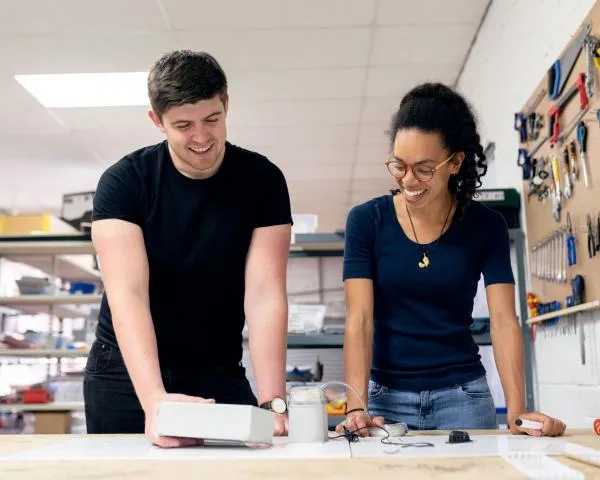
[[278, 405]]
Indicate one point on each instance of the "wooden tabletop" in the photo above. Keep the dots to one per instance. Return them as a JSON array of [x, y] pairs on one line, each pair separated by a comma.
[[377, 468]]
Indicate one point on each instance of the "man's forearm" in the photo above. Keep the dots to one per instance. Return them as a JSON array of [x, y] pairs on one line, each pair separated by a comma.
[[267, 331], [357, 360], [137, 341], [507, 343]]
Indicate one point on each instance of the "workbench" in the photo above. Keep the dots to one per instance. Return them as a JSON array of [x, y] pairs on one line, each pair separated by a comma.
[[347, 468]]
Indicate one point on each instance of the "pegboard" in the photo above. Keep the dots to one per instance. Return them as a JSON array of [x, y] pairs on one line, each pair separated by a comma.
[[541, 224]]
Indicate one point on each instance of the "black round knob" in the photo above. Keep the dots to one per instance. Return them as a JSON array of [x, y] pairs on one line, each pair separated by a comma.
[[458, 436]]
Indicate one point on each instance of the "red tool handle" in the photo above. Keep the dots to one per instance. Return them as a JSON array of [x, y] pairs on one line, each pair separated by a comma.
[[553, 115], [554, 112], [583, 98]]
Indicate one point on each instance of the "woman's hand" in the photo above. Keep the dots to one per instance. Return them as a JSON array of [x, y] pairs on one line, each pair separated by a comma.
[[551, 427], [358, 422]]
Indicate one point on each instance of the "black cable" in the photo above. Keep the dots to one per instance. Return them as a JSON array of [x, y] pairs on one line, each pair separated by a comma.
[[352, 436]]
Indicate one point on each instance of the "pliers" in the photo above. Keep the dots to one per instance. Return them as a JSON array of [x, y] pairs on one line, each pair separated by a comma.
[[591, 240]]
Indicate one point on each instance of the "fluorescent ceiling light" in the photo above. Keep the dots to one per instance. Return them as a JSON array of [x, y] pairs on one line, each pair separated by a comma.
[[70, 90]]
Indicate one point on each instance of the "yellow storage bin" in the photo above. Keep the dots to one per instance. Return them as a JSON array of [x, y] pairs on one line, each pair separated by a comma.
[[33, 224]]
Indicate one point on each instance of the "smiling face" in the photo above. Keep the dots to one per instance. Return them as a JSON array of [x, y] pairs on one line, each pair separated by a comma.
[[422, 166], [196, 134]]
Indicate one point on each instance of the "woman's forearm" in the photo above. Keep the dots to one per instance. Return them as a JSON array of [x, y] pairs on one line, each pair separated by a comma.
[[507, 342], [357, 358]]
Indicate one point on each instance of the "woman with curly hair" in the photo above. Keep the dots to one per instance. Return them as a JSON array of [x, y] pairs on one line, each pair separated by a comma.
[[412, 263]]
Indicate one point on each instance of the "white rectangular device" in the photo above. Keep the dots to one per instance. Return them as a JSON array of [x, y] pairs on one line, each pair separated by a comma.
[[215, 421]]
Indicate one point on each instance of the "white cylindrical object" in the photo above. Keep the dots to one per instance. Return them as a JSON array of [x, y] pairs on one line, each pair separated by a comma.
[[532, 424], [307, 414]]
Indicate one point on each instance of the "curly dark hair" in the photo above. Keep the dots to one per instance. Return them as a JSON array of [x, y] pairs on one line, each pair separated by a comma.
[[434, 107]]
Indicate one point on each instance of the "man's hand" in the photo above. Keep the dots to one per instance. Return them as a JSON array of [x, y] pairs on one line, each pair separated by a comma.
[[281, 425], [358, 422], [151, 408], [552, 427]]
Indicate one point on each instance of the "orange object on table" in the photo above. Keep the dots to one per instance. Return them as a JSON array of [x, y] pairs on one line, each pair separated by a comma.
[[36, 395], [597, 426]]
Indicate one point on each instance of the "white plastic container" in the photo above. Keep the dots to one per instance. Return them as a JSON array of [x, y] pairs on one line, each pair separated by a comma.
[[307, 415]]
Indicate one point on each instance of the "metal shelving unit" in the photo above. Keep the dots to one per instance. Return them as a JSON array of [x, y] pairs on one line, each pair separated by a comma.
[[63, 248]]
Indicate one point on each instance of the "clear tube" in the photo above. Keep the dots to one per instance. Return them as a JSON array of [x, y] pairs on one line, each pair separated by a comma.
[[350, 387]]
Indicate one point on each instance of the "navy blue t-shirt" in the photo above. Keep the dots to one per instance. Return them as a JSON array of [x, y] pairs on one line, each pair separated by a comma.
[[422, 317]]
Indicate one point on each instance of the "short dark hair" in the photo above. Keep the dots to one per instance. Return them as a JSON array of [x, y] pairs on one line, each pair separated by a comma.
[[434, 107], [181, 77]]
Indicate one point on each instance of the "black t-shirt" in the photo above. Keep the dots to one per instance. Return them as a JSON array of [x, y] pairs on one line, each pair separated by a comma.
[[197, 234]]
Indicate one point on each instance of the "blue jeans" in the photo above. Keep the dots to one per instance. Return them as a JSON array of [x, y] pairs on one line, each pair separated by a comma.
[[466, 406]]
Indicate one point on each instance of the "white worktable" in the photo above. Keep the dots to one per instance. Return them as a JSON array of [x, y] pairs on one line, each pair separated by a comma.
[[130, 457]]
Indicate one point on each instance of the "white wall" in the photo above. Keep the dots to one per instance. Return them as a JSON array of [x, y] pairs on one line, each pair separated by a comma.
[[516, 45]]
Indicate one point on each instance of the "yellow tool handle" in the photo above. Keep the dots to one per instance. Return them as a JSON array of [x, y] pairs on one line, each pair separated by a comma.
[[555, 167]]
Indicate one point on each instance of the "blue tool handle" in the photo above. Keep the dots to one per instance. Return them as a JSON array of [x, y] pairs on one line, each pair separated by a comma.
[[578, 286], [521, 127], [571, 252], [582, 136], [554, 80]]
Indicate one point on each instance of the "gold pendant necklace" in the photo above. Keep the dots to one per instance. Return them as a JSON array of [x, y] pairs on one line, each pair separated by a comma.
[[424, 263]]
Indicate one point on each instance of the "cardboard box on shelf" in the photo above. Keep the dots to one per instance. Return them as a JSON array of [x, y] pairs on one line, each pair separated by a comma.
[[52, 423]]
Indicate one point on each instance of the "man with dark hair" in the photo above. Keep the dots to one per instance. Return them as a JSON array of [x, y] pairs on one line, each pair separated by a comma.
[[192, 236]]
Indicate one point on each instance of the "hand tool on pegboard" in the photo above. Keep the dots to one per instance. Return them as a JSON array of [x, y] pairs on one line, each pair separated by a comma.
[[598, 233], [574, 172], [554, 129], [521, 126], [571, 246], [561, 68], [592, 59], [567, 173], [582, 142], [591, 238], [524, 161], [556, 191]]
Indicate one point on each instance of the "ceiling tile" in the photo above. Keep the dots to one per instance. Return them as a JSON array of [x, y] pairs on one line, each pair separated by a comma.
[[372, 185], [320, 172], [309, 156], [379, 110], [22, 114], [374, 154], [373, 134], [35, 17], [257, 49], [394, 82], [244, 113], [417, 45], [43, 149], [192, 15], [427, 12], [122, 142], [85, 53], [292, 85], [109, 118], [291, 137], [363, 171]]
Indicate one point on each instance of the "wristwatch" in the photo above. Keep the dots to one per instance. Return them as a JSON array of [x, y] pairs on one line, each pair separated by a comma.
[[277, 405]]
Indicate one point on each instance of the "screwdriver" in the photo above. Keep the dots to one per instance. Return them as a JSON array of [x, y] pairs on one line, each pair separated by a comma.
[[582, 141]]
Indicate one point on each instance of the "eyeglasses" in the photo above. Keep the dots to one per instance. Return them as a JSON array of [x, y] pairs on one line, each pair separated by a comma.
[[423, 173]]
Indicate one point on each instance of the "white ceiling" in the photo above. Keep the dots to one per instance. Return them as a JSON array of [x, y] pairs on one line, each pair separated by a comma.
[[313, 85]]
